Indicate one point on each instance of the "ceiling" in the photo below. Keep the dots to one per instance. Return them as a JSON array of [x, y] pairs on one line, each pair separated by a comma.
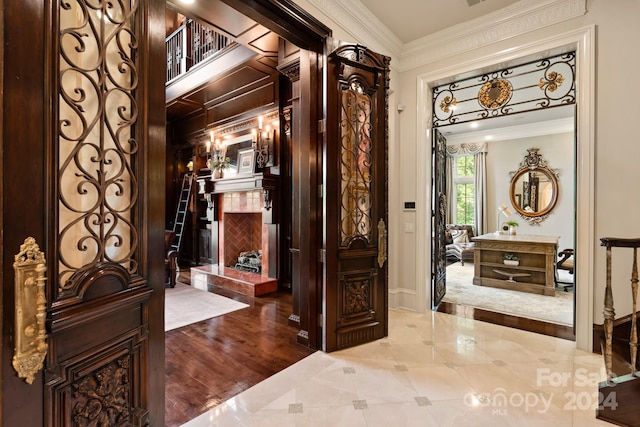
[[407, 19], [414, 19], [410, 20]]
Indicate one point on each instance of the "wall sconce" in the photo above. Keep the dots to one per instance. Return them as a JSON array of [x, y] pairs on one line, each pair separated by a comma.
[[208, 161], [263, 145], [504, 210]]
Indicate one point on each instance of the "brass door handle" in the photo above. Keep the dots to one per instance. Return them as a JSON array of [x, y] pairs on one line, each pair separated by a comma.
[[30, 336], [382, 242]]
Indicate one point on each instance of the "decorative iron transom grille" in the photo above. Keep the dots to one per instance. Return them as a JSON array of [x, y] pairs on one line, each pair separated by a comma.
[[355, 164], [532, 86], [97, 113]]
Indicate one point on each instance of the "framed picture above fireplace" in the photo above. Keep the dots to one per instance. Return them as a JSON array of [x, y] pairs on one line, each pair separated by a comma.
[[245, 161]]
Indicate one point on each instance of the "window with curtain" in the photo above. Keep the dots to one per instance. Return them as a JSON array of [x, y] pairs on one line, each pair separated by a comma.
[[464, 187]]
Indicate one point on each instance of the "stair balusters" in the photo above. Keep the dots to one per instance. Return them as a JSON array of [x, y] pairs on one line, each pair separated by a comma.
[[609, 311]]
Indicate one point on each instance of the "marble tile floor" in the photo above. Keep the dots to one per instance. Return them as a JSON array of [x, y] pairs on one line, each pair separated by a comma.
[[433, 369]]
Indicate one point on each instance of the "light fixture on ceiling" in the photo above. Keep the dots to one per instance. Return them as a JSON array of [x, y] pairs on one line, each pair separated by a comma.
[[187, 1], [474, 125]]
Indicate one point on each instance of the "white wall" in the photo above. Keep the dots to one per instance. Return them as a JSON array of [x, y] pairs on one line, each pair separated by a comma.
[[616, 144], [505, 156], [617, 148]]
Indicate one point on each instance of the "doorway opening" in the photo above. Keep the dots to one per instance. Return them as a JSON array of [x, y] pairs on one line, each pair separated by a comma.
[[581, 41], [497, 297], [209, 362]]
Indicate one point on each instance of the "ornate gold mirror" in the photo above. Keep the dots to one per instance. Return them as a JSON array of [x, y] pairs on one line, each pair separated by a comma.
[[534, 188]]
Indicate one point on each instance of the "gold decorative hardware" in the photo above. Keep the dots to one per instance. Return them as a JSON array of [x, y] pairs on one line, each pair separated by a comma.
[[382, 242], [30, 305], [495, 93]]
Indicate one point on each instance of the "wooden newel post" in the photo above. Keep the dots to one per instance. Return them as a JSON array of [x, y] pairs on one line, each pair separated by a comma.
[[609, 311], [609, 315]]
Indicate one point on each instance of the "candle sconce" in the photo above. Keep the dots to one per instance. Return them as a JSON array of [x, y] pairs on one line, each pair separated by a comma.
[[263, 146]]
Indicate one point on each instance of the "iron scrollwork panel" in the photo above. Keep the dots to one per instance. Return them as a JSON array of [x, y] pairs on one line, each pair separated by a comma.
[[356, 160], [97, 144], [536, 85]]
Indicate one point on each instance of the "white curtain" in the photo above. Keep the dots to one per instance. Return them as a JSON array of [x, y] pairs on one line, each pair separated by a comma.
[[479, 151]]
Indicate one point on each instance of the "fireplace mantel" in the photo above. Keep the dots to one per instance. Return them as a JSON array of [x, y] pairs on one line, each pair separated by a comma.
[[237, 184]]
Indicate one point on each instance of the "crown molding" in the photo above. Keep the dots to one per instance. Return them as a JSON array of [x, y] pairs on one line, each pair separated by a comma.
[[358, 21], [514, 20], [517, 19]]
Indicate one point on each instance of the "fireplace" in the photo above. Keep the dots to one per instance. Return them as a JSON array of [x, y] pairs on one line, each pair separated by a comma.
[[250, 261], [242, 225], [242, 231]]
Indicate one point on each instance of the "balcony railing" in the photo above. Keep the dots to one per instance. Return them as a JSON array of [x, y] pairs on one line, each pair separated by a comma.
[[191, 44]]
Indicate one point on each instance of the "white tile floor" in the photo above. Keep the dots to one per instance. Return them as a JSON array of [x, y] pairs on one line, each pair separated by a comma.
[[434, 369]]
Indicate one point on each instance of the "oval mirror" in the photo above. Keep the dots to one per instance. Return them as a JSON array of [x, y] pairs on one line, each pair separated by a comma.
[[534, 188]]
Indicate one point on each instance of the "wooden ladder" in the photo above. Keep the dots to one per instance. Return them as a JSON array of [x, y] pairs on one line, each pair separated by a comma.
[[181, 211]]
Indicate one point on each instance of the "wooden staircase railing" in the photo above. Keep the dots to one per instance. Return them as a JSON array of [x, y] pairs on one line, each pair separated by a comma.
[[191, 44], [620, 393]]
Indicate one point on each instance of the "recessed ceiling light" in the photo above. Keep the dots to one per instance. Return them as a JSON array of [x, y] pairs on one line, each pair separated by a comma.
[[474, 125], [187, 1]]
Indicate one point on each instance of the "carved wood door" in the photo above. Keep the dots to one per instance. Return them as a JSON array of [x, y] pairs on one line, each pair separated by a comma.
[[439, 219], [83, 159], [355, 276]]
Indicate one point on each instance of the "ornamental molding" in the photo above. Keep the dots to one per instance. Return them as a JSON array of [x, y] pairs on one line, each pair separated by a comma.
[[361, 24], [514, 20], [519, 18]]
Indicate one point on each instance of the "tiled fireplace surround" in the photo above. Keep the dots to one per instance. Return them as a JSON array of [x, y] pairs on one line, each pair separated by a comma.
[[240, 229]]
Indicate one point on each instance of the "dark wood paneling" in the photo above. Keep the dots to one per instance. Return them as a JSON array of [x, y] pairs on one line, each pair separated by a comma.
[[152, 221], [189, 130], [235, 83], [254, 99], [225, 18], [264, 41], [181, 107], [23, 174], [286, 19], [243, 89]]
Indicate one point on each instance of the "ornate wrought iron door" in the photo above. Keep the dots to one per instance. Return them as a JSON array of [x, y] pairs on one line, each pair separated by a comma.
[[439, 219], [355, 282]]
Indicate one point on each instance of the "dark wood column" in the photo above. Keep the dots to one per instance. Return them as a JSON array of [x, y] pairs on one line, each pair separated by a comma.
[[302, 71], [291, 141]]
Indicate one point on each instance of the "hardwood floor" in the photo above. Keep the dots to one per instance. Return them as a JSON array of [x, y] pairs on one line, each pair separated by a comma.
[[522, 323], [211, 361]]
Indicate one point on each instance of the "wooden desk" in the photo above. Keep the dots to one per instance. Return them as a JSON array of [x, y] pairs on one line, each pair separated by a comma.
[[535, 273]]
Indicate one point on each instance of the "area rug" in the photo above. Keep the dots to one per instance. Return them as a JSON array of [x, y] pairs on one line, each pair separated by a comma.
[[185, 305], [461, 290]]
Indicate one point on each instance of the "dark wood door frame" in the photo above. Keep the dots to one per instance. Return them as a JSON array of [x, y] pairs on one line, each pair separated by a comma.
[[307, 111]]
